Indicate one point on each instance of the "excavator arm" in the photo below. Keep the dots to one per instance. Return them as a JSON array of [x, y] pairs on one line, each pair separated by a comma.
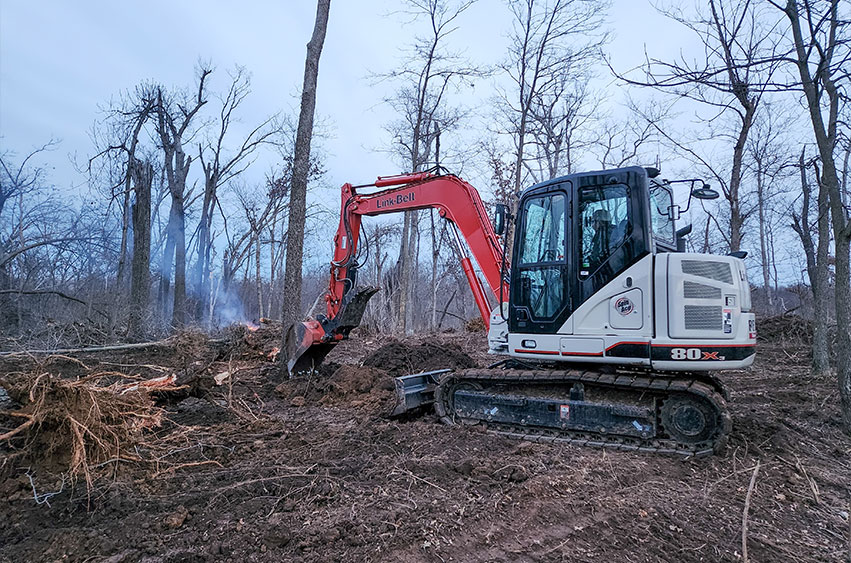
[[307, 343]]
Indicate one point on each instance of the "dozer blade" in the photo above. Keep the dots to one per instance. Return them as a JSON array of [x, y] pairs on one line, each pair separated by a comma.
[[307, 343], [414, 391]]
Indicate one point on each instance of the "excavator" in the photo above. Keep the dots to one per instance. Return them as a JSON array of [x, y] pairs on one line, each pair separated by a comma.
[[612, 335]]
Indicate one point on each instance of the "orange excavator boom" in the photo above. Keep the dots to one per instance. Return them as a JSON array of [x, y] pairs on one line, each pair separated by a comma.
[[307, 343]]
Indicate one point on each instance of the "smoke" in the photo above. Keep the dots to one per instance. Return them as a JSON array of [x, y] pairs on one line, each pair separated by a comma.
[[227, 306]]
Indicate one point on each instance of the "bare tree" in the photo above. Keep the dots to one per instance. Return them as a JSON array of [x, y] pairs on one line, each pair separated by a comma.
[[291, 311], [174, 117], [121, 157], [219, 168], [426, 77], [557, 117], [731, 77], [44, 242], [548, 38], [770, 159], [16, 183], [822, 54], [625, 141]]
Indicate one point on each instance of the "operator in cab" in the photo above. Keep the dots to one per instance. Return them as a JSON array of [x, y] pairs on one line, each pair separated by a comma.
[[601, 243]]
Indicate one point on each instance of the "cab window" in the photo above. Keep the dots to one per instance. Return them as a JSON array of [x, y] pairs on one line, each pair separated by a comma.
[[604, 224], [660, 219], [543, 230]]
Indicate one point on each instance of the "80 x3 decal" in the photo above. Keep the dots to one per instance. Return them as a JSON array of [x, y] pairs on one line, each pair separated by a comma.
[[702, 353]]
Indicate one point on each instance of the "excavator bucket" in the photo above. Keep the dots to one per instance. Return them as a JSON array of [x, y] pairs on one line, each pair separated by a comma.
[[303, 347], [307, 343]]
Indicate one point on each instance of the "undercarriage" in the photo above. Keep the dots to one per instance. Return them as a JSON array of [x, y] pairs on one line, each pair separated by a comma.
[[633, 411]]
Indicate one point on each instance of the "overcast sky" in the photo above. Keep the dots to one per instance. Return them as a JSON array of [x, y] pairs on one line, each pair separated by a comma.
[[60, 61]]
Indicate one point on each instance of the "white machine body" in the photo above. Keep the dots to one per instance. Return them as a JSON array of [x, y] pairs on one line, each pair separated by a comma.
[[671, 311]]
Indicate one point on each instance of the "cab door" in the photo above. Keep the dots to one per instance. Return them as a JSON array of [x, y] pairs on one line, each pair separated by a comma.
[[540, 282]]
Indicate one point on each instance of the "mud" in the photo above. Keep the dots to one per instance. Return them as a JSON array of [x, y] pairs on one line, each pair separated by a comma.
[[401, 358], [309, 470]]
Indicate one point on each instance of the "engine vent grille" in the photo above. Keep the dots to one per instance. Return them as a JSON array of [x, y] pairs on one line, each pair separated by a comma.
[[693, 290], [701, 317], [718, 271]]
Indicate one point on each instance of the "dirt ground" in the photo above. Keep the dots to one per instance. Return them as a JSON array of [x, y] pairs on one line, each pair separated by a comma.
[[311, 470]]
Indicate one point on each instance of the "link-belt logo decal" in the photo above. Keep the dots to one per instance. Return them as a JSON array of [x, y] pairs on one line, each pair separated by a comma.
[[397, 200]]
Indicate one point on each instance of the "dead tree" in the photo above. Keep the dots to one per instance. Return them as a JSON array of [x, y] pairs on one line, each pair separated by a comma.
[[132, 176], [291, 309], [220, 168], [174, 117], [142, 174], [821, 54]]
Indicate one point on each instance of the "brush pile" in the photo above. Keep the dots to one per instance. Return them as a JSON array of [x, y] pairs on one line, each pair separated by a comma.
[[76, 425]]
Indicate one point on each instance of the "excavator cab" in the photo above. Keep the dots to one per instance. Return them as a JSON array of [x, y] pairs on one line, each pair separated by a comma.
[[596, 278]]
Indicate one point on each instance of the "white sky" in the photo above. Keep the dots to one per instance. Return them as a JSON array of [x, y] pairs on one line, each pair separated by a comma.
[[61, 61]]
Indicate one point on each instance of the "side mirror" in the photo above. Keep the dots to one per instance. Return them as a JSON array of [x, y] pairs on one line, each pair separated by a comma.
[[674, 212], [704, 192], [499, 220]]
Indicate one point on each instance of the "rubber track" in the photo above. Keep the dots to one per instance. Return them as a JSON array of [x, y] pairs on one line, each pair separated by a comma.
[[659, 386]]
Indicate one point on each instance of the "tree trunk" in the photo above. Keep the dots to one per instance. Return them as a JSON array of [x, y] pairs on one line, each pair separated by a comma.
[[821, 289], [736, 218], [816, 255], [825, 134], [140, 277], [291, 310], [763, 244], [178, 318], [201, 273], [166, 262], [404, 270], [258, 278]]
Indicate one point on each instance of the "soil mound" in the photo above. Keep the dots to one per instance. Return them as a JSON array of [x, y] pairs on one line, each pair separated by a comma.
[[398, 358], [362, 387]]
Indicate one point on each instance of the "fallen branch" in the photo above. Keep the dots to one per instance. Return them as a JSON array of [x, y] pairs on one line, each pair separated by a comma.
[[745, 513], [42, 292], [810, 481], [185, 465], [111, 348]]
